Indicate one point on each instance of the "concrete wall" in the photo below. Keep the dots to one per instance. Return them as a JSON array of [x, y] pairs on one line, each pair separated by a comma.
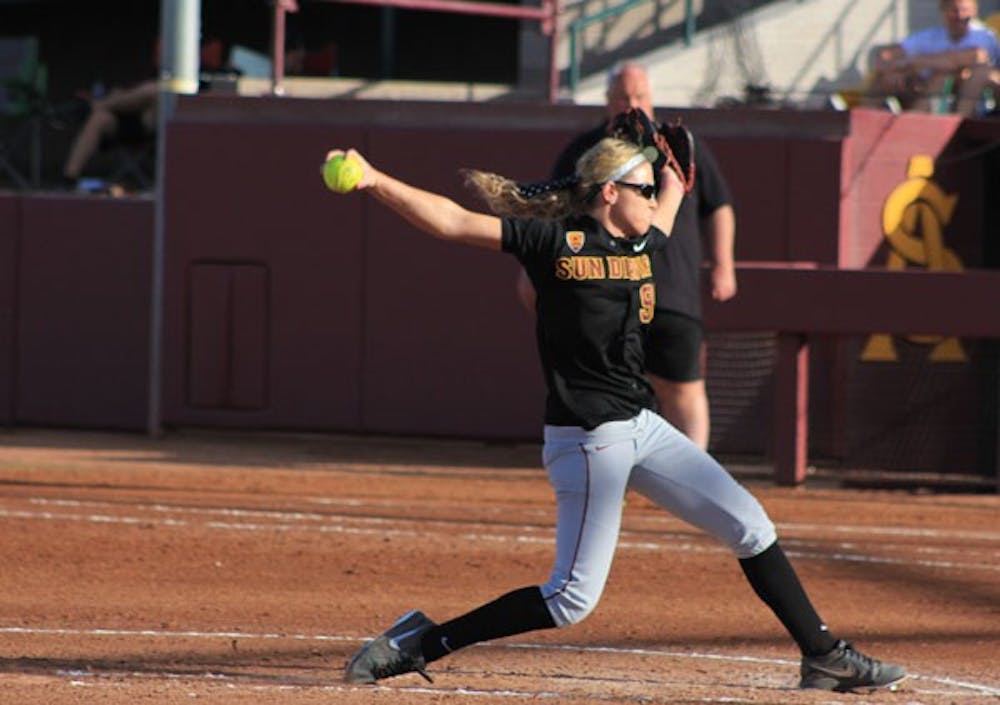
[[803, 49]]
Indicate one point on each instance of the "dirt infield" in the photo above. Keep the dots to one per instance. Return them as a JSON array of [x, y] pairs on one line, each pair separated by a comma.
[[236, 568]]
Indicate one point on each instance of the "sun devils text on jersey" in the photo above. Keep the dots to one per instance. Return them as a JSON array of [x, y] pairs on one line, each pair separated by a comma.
[[590, 345]]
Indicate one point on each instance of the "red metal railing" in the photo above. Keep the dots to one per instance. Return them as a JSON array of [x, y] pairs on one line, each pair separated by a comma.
[[547, 14]]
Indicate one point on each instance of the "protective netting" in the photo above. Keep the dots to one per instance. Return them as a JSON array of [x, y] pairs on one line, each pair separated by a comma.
[[919, 413], [913, 414], [739, 379], [737, 70]]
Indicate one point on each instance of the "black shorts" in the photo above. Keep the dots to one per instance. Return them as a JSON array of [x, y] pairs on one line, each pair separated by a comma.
[[673, 347]]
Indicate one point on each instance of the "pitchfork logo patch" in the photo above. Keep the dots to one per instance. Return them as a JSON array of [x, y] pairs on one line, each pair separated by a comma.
[[575, 240]]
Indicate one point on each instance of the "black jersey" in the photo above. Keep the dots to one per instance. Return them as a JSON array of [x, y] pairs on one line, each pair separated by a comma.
[[594, 295]]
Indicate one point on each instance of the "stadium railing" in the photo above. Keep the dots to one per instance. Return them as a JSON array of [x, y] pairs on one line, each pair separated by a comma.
[[800, 301], [547, 14]]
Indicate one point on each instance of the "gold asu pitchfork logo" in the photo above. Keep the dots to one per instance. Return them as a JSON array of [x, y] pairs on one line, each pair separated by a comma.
[[913, 218]]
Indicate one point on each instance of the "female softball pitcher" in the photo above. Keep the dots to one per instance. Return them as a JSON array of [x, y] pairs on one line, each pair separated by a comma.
[[586, 247]]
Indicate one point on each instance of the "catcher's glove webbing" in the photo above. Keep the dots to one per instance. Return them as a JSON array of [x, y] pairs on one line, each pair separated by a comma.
[[673, 144]]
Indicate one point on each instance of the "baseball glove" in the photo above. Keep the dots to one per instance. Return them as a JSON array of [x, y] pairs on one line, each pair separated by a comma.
[[672, 143], [681, 157]]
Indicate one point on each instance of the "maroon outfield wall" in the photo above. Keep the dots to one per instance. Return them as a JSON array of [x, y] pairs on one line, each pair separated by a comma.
[[9, 229], [361, 323], [922, 409], [372, 326], [82, 308], [288, 307]]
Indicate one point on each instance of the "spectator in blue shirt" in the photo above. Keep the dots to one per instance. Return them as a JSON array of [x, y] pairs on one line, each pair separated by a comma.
[[959, 58]]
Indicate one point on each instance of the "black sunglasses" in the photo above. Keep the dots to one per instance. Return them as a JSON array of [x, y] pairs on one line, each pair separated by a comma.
[[647, 190]]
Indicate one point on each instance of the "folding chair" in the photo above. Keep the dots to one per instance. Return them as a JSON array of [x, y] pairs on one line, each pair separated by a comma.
[[23, 86], [133, 161]]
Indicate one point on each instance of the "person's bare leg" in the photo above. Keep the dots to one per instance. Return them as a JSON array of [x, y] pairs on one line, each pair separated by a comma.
[[131, 100], [88, 140], [685, 406]]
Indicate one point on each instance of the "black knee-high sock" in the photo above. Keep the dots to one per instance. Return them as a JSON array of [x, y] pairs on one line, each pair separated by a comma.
[[519, 611], [775, 582]]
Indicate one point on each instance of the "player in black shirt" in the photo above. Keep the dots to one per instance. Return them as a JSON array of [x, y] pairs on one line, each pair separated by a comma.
[[674, 349], [588, 255]]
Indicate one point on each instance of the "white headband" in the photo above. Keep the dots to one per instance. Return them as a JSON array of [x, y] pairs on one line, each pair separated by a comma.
[[627, 167]]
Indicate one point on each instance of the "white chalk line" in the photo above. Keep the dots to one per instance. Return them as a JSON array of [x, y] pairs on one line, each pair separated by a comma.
[[682, 544], [979, 687], [962, 534], [436, 693], [866, 531], [965, 686], [175, 634]]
